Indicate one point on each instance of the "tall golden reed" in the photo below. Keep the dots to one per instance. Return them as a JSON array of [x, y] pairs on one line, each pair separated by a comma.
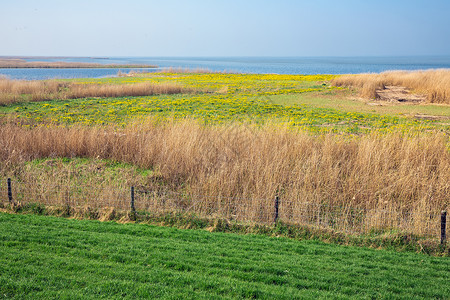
[[13, 91], [435, 84], [396, 181]]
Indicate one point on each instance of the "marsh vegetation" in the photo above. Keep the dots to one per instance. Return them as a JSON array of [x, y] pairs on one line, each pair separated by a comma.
[[225, 146]]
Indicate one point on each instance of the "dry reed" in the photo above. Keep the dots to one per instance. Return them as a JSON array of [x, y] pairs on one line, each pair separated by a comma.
[[13, 91], [397, 181], [435, 84]]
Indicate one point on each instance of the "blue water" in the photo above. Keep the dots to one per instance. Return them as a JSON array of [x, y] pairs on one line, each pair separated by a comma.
[[277, 65], [34, 74]]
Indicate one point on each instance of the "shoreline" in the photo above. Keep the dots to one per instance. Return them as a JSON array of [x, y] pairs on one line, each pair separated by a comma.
[[14, 63]]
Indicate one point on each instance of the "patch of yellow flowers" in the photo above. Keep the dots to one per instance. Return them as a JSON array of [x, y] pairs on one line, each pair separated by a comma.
[[226, 98]]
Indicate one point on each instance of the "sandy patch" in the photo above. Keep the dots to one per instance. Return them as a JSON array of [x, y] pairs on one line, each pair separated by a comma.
[[396, 94], [432, 117]]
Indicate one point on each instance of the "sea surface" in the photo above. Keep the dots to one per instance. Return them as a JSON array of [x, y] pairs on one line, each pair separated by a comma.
[[261, 65]]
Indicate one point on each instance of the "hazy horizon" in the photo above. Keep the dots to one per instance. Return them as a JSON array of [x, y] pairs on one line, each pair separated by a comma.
[[225, 56]]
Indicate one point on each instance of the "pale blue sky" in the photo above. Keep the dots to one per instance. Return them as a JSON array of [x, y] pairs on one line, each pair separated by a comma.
[[224, 28]]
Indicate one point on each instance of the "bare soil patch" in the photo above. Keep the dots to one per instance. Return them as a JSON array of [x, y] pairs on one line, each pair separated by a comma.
[[399, 94], [432, 117]]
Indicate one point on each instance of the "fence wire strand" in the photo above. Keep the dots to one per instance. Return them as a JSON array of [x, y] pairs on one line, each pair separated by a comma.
[[320, 215]]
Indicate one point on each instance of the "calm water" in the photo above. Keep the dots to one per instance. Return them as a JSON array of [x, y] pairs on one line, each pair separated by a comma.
[[278, 65]]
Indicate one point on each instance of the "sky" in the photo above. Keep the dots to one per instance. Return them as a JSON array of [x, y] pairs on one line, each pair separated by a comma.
[[224, 28]]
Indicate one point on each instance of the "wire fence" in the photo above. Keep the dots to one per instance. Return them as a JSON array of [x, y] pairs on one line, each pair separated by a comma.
[[139, 200]]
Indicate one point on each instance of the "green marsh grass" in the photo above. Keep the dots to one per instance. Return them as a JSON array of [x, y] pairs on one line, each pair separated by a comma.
[[225, 98], [237, 140]]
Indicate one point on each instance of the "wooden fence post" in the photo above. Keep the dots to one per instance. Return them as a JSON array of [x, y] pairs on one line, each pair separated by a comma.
[[9, 191], [443, 225], [133, 209], [277, 202]]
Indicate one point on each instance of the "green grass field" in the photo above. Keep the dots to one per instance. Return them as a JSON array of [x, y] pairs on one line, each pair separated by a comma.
[[49, 257]]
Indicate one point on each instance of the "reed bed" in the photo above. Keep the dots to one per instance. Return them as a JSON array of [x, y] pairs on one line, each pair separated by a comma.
[[396, 181], [435, 84], [14, 91]]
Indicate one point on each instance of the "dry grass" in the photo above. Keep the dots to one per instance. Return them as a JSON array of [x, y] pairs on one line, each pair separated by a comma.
[[20, 63], [435, 84], [395, 181], [13, 91], [136, 89]]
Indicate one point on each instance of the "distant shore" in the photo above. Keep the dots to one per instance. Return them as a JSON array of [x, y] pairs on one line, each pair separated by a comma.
[[256, 65], [16, 63]]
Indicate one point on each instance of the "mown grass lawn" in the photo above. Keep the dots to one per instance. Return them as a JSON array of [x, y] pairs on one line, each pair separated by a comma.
[[49, 257]]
